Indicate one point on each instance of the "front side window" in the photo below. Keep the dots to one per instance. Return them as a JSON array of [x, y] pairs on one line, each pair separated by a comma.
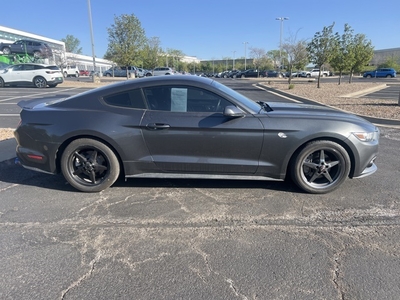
[[184, 99]]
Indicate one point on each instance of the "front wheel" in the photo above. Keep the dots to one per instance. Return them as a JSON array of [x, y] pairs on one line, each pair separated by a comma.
[[1, 82], [40, 82], [320, 167], [89, 165]]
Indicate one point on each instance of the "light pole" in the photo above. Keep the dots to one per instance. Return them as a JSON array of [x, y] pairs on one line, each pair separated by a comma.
[[280, 40], [92, 40], [233, 66], [245, 43]]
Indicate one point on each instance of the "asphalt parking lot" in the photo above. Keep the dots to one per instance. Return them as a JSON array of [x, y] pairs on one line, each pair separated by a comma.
[[197, 239]]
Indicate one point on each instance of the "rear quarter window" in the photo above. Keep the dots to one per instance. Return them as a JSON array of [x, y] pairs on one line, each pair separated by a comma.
[[128, 99]]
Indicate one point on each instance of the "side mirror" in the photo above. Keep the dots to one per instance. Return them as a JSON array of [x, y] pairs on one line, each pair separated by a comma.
[[233, 112]]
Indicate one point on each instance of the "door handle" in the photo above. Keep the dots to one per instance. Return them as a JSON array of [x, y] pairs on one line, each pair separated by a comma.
[[156, 126]]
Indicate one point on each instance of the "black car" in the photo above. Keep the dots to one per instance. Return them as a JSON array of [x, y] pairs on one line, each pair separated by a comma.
[[36, 48], [251, 73], [271, 73], [191, 127]]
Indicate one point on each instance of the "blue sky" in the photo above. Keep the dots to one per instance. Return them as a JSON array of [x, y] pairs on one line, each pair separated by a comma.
[[207, 29]]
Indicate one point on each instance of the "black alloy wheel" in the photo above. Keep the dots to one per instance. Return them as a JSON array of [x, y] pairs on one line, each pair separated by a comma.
[[89, 165], [320, 167]]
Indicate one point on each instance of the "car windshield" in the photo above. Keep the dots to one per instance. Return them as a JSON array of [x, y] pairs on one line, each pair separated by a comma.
[[246, 101]]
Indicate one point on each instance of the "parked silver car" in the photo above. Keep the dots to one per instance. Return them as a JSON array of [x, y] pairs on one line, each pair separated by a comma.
[[163, 71]]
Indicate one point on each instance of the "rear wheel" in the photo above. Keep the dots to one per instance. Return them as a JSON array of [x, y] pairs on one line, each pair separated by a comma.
[[89, 165], [389, 76], [369, 76], [1, 82], [40, 82], [320, 167], [6, 51]]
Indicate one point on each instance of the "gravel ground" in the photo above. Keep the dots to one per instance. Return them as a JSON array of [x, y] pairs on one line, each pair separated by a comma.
[[345, 96]]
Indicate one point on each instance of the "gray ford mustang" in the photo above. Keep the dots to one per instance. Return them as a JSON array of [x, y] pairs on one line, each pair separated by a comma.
[[191, 127]]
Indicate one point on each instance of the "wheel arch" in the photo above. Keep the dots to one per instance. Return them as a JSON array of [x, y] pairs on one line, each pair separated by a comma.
[[64, 145], [323, 138]]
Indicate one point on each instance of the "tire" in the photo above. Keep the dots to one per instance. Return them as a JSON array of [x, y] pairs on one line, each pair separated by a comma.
[[65, 74], [369, 76], [76, 74], [89, 165], [320, 167], [1, 83], [389, 76], [39, 82], [108, 75], [6, 51]]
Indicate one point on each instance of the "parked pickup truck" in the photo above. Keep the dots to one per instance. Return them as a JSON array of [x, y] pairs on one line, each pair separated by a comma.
[[315, 73]]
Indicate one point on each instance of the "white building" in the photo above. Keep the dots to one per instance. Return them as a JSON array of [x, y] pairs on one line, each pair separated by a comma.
[[60, 56]]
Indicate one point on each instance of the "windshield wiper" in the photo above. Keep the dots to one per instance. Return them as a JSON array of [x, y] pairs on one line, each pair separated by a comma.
[[265, 106]]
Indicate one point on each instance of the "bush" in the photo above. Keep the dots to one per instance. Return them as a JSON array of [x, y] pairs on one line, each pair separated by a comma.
[[291, 86]]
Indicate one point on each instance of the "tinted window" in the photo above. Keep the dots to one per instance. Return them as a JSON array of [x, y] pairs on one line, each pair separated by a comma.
[[184, 99], [131, 99], [29, 67], [53, 68]]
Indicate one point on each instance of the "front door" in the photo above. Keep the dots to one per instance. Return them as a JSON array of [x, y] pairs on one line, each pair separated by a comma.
[[187, 132]]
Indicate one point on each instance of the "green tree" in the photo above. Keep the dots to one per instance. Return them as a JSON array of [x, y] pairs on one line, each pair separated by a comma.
[[322, 48], [151, 53], [363, 53], [343, 56], [275, 56], [72, 44], [126, 41], [260, 59]]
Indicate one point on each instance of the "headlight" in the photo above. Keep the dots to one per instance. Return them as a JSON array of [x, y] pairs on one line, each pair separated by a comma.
[[365, 136]]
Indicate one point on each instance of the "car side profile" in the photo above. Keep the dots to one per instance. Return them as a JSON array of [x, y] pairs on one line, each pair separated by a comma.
[[191, 127], [36, 48], [382, 72], [163, 71], [121, 71], [248, 73], [38, 75]]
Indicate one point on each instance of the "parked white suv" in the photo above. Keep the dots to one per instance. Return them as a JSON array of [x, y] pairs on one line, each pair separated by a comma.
[[70, 71], [163, 71], [38, 75]]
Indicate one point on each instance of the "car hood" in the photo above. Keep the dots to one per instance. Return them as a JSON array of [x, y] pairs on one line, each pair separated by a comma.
[[281, 109]]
